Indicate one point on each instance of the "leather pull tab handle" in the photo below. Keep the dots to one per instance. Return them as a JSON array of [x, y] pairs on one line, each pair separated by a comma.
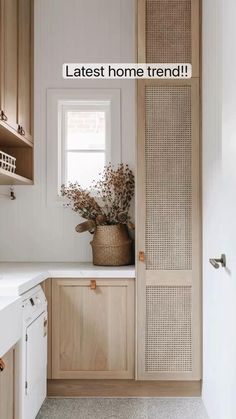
[[93, 284], [141, 256], [2, 365]]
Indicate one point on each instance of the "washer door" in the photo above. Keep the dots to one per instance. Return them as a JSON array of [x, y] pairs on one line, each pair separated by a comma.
[[36, 352]]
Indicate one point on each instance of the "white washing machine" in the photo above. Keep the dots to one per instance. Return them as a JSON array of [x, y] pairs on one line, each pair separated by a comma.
[[33, 353]]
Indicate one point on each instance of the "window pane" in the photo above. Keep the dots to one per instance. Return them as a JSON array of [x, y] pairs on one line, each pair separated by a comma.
[[86, 130], [84, 167]]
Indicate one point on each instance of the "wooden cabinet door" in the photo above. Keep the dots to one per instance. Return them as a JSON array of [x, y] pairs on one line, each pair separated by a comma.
[[168, 196], [9, 54], [169, 279], [25, 65], [93, 329], [47, 289], [7, 387]]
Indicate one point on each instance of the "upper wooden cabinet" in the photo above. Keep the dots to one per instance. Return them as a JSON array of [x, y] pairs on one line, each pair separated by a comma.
[[16, 88], [9, 48], [93, 328], [16, 70], [25, 82]]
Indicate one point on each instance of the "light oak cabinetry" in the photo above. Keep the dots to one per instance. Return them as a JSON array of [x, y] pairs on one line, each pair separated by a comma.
[[7, 387], [92, 328], [25, 85], [169, 195], [9, 79], [16, 88], [47, 289]]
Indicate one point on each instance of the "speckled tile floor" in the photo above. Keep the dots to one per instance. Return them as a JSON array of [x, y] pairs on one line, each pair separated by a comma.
[[122, 408]]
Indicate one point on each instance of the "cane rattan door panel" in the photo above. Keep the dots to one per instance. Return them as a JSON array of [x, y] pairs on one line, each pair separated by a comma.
[[168, 177], [168, 31], [168, 343], [169, 231]]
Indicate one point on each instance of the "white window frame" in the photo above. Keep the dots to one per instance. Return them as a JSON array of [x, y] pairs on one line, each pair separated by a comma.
[[83, 106], [57, 101]]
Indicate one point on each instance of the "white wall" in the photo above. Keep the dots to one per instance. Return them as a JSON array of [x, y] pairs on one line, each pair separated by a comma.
[[67, 31], [219, 209], [229, 209], [212, 156]]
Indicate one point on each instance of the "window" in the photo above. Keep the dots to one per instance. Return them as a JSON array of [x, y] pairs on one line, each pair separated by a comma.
[[83, 135], [86, 141]]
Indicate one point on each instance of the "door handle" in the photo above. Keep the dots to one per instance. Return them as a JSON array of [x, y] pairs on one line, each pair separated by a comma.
[[216, 262], [21, 130], [141, 256], [2, 365], [3, 117], [93, 284]]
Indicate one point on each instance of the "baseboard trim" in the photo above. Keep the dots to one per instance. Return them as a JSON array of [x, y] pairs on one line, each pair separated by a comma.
[[123, 388]]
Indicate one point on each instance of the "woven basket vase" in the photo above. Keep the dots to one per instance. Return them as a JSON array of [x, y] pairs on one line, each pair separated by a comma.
[[111, 246]]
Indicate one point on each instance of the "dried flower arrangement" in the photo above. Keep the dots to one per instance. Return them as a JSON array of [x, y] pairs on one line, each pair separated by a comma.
[[107, 202]]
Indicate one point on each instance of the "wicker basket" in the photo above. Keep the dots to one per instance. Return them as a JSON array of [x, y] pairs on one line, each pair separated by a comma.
[[112, 246], [7, 162]]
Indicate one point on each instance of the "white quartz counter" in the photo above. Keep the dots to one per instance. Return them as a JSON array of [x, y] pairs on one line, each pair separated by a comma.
[[10, 322], [18, 278]]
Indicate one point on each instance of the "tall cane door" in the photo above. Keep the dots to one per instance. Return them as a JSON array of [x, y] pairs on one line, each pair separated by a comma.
[[168, 198]]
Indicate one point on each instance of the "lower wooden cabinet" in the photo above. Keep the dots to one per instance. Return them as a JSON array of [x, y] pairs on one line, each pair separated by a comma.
[[47, 289], [92, 328], [8, 403]]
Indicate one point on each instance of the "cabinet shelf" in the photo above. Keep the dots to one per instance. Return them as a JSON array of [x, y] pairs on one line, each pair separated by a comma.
[[7, 178], [10, 138]]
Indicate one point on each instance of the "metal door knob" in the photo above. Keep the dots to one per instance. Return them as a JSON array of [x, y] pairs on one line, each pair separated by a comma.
[[216, 262]]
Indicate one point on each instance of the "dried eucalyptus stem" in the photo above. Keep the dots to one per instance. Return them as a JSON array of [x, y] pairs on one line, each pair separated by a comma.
[[107, 202]]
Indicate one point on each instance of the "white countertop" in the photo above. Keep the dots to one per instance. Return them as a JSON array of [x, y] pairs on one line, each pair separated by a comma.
[[18, 278], [10, 322], [7, 301]]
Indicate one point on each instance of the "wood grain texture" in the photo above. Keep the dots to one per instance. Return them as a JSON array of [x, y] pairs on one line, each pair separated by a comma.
[[169, 278], [93, 330], [9, 64], [47, 288], [10, 137], [16, 85], [141, 12], [24, 160], [7, 178], [196, 37], [123, 388], [7, 386], [24, 67]]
